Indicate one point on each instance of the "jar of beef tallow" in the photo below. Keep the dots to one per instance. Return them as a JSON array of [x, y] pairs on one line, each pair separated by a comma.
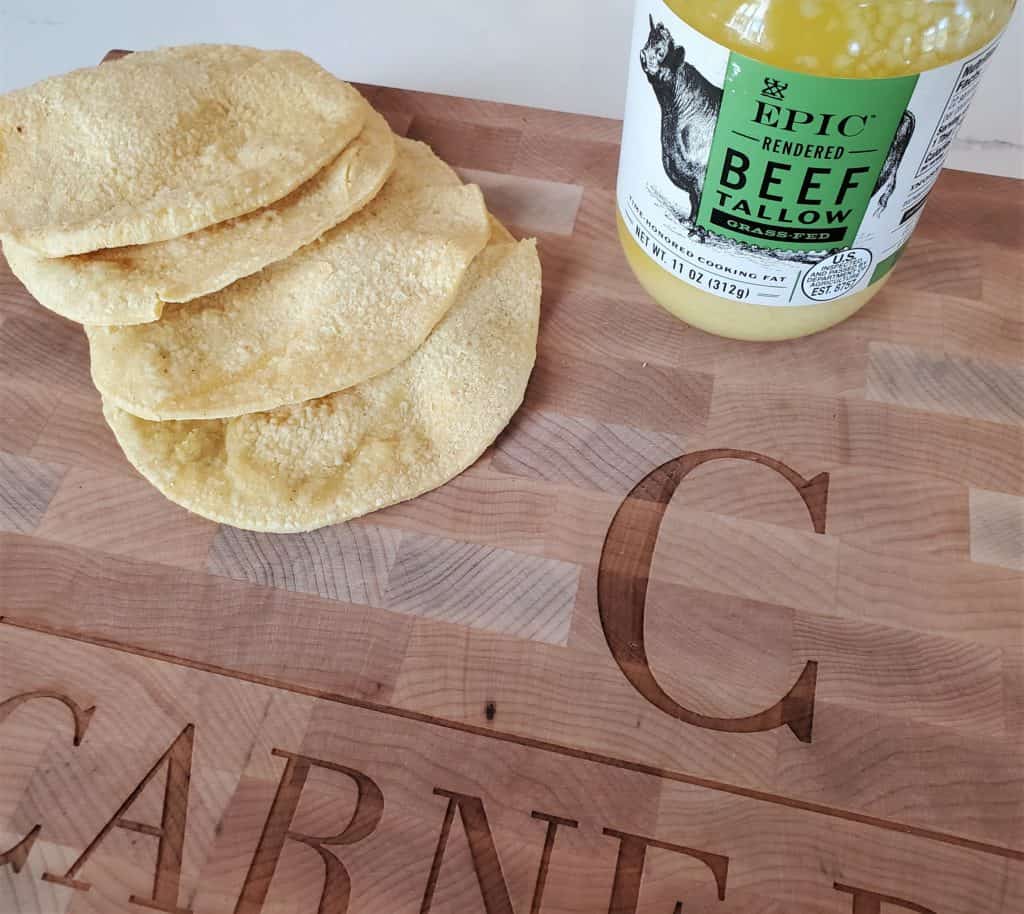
[[777, 154]]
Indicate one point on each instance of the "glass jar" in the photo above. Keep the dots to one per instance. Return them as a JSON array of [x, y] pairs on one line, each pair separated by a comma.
[[777, 154]]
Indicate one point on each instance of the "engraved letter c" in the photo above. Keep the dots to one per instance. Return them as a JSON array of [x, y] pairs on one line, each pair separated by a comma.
[[622, 590]]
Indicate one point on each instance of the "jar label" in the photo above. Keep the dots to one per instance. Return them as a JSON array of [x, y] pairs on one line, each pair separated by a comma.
[[773, 187]]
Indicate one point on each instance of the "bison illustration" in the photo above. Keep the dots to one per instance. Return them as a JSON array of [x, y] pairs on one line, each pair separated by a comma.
[[886, 185], [690, 106], [689, 109]]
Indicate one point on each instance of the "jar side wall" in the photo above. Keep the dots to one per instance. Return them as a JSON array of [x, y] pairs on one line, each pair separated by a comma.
[[850, 38], [824, 38], [736, 320]]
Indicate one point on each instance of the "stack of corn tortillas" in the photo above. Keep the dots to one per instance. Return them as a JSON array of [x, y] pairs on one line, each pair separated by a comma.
[[294, 317]]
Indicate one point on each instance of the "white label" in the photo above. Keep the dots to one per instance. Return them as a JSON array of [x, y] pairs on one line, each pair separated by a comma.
[[770, 187]]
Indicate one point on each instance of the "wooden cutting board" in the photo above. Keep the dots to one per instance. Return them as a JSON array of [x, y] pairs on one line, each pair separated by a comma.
[[713, 627]]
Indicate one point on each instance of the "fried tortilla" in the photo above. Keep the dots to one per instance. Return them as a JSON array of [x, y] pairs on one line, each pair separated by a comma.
[[162, 143], [131, 285], [340, 311], [381, 442]]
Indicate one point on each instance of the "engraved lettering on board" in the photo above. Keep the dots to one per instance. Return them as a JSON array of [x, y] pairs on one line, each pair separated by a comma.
[[17, 855], [486, 864], [868, 902], [629, 869], [624, 573], [337, 884], [336, 887], [625, 565], [622, 583], [170, 833]]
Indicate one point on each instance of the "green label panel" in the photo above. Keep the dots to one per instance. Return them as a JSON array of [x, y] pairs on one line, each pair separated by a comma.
[[886, 266], [796, 158]]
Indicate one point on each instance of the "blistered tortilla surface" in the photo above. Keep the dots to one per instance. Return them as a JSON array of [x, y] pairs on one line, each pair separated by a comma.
[[382, 442], [131, 285], [162, 143], [340, 311]]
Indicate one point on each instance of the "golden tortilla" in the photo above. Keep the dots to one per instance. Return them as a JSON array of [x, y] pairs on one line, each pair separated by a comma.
[[130, 285], [344, 309], [163, 143], [384, 441]]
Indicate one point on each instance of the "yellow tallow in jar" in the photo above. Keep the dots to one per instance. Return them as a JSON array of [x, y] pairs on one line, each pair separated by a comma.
[[777, 154]]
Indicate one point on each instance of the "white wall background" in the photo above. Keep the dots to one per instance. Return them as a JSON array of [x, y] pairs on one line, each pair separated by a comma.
[[569, 55]]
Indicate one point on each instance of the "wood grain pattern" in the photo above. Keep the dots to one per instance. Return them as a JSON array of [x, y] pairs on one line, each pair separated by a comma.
[[26, 487], [956, 599], [483, 587], [580, 452], [76, 435], [44, 349], [654, 397], [24, 411], [948, 384], [456, 650], [997, 529], [79, 513], [347, 563], [530, 204], [775, 853]]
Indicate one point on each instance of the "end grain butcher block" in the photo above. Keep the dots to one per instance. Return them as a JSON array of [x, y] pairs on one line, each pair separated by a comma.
[[713, 627]]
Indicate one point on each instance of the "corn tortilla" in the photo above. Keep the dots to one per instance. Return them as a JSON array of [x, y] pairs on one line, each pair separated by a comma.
[[344, 309], [130, 285], [384, 441], [162, 143]]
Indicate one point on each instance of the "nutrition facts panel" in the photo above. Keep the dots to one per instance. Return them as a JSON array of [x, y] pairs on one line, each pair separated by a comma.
[[960, 98]]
